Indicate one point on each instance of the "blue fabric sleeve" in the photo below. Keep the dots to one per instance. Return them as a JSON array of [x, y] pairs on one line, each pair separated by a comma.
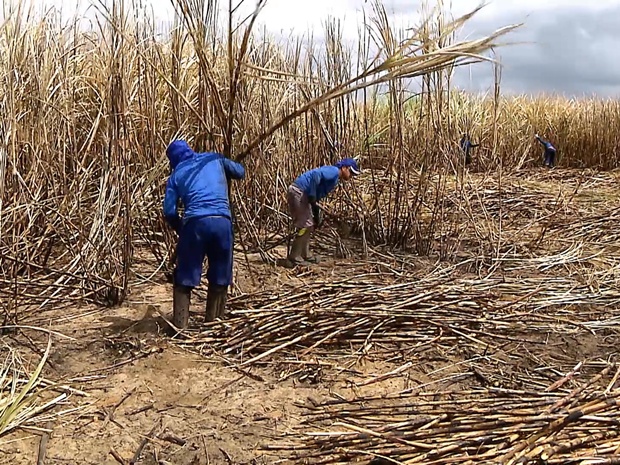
[[330, 177], [313, 184], [233, 169], [170, 204]]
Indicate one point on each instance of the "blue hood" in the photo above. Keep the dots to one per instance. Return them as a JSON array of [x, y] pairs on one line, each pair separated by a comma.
[[178, 151], [200, 181]]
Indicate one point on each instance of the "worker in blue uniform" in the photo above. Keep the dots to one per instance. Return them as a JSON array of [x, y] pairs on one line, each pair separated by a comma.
[[550, 151], [200, 182], [303, 196]]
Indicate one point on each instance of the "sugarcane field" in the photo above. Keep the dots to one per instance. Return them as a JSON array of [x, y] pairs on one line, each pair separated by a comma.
[[220, 244]]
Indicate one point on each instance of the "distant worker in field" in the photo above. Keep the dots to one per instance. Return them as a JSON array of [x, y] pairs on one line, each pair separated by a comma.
[[200, 182], [303, 197], [466, 146], [550, 151]]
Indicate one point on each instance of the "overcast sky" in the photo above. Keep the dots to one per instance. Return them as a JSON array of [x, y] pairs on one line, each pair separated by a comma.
[[568, 47]]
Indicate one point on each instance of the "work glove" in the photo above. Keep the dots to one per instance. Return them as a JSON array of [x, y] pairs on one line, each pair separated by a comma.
[[316, 214], [176, 224]]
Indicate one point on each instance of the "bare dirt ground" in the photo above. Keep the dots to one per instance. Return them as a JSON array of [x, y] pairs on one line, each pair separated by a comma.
[[134, 381], [141, 397]]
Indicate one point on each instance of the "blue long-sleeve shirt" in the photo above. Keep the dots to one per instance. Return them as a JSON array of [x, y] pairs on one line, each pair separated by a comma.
[[319, 182], [548, 146], [466, 145], [200, 181]]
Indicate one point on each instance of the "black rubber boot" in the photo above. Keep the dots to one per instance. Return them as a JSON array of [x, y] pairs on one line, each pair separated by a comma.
[[216, 302], [306, 254], [181, 296], [222, 296]]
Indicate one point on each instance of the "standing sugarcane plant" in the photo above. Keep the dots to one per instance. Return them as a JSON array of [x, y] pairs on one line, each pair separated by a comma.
[[199, 16], [225, 90], [86, 114]]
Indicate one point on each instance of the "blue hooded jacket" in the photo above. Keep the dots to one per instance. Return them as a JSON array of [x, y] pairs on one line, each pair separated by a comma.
[[548, 145], [200, 180], [319, 182], [466, 144]]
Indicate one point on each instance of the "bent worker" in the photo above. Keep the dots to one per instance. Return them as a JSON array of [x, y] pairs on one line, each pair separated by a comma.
[[303, 197], [550, 151], [200, 182], [466, 146]]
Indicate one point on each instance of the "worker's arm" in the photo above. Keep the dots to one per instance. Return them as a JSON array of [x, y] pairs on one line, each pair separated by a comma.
[[311, 192], [316, 214], [233, 169], [170, 205]]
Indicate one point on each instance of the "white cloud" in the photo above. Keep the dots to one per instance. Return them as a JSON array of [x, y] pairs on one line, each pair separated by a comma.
[[556, 29]]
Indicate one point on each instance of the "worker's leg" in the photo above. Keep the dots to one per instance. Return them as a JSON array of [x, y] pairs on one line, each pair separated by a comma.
[[295, 256], [187, 272], [219, 250], [306, 253], [307, 220], [301, 212], [467, 158], [181, 297]]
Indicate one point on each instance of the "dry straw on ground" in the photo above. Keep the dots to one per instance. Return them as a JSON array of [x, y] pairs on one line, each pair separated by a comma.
[[524, 323], [490, 425]]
